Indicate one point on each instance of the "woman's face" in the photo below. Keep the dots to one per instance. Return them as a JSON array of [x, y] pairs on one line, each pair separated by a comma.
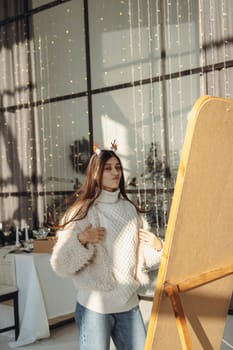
[[111, 175]]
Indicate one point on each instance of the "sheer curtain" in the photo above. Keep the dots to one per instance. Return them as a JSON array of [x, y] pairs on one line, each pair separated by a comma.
[[20, 179]]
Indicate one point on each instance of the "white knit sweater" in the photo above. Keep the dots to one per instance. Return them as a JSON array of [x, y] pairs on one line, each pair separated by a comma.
[[106, 275]]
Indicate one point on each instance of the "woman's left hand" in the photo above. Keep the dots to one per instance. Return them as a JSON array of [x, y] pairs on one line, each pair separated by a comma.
[[149, 238]]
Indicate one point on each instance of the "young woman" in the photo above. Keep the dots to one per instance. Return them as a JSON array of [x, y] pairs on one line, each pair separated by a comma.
[[102, 244]]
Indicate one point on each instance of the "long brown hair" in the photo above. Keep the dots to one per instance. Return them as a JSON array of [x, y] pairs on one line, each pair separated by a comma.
[[92, 186]]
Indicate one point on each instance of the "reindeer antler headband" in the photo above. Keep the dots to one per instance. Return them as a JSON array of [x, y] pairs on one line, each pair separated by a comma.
[[97, 150]]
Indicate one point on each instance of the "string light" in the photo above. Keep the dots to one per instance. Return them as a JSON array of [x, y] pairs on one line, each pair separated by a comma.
[[141, 100], [211, 38], [152, 113], [136, 149]]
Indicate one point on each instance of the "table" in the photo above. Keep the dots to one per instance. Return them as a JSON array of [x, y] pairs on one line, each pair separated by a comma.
[[43, 296]]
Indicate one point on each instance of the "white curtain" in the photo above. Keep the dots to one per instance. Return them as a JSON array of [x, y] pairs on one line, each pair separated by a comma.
[[20, 180]]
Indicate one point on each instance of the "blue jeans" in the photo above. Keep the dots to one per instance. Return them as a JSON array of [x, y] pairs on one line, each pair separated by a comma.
[[126, 329]]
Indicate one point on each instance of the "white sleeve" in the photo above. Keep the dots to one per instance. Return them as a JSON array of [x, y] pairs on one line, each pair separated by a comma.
[[69, 256]]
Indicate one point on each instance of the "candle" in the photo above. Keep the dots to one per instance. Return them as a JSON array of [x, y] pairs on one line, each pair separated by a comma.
[[26, 234], [17, 237]]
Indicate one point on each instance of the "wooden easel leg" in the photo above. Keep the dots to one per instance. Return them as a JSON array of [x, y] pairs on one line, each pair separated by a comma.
[[180, 317]]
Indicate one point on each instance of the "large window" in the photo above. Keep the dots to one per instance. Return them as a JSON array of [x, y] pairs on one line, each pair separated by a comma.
[[79, 72]]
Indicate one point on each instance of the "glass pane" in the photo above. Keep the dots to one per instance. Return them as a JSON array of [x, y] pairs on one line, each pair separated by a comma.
[[124, 41], [123, 116], [59, 50], [62, 124]]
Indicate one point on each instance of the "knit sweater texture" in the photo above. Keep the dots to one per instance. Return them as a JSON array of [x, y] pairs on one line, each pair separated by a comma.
[[106, 275]]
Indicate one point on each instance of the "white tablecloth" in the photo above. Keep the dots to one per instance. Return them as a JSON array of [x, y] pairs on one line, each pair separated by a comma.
[[42, 296]]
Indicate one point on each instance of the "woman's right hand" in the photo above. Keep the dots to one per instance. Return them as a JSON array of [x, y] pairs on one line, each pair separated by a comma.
[[91, 235]]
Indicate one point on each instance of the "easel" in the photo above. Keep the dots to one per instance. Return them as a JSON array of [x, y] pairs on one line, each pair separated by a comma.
[[195, 278], [184, 286]]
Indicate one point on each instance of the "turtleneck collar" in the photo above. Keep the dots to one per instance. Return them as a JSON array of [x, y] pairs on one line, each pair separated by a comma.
[[108, 197]]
